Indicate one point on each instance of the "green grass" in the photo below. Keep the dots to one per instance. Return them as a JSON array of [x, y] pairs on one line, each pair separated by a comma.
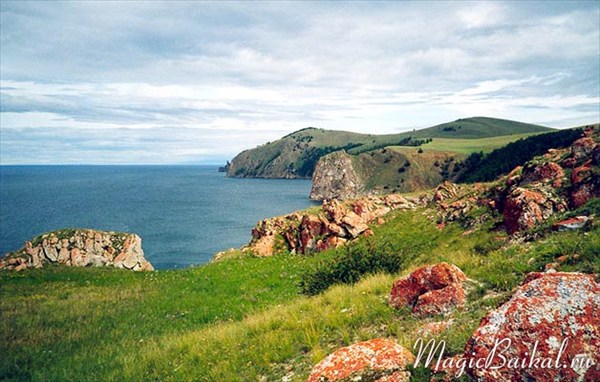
[[244, 319], [467, 146], [296, 154]]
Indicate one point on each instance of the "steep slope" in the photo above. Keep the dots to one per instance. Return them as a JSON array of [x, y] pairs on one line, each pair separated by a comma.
[[296, 154]]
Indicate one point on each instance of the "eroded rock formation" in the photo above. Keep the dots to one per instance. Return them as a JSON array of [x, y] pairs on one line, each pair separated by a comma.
[[336, 223], [80, 248]]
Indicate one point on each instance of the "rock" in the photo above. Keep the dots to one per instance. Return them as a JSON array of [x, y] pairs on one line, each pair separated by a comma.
[[524, 208], [577, 222], [435, 289], [377, 360], [80, 248], [354, 224], [335, 178], [585, 185], [582, 148], [547, 172], [441, 301], [311, 228], [547, 309], [445, 191]]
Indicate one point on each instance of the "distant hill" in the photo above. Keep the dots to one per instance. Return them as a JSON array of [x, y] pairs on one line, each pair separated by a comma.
[[296, 154]]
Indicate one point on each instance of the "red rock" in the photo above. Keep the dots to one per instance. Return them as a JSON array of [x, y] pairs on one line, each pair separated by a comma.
[[523, 209], [547, 309], [546, 172], [580, 174], [311, 228], [430, 290], [441, 301], [569, 163], [377, 360], [570, 224], [354, 224]]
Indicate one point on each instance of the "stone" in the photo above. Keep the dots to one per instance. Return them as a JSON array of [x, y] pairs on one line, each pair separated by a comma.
[[547, 309], [581, 149], [377, 360], [524, 208], [428, 290], [354, 224], [445, 191], [575, 223], [546, 172]]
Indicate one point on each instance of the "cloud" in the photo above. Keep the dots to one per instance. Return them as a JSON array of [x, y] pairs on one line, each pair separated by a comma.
[[198, 82]]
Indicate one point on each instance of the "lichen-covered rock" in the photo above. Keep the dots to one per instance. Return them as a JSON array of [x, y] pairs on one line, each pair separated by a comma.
[[315, 232], [336, 178], [377, 360], [548, 172], [548, 311], [80, 248], [435, 289], [524, 208]]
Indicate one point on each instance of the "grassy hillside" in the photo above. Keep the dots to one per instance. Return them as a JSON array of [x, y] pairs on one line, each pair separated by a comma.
[[245, 319], [295, 155]]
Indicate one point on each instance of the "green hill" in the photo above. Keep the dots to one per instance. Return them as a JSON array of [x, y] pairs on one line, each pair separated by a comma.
[[296, 154]]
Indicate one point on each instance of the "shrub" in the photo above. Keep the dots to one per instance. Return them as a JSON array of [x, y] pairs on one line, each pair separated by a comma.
[[348, 266]]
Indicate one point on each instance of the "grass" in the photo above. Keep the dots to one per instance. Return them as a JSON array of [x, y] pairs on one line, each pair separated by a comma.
[[244, 318], [467, 146], [296, 154]]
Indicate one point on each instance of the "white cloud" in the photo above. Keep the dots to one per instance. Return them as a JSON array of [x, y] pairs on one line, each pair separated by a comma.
[[250, 73]]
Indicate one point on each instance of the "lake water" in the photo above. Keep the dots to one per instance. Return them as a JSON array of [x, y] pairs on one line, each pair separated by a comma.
[[184, 214]]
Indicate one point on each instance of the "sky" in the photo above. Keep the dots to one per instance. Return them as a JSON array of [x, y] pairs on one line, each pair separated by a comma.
[[170, 82]]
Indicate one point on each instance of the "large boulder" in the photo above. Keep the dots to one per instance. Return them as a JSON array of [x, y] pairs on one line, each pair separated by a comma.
[[429, 290], [80, 248], [524, 208], [377, 360], [558, 315]]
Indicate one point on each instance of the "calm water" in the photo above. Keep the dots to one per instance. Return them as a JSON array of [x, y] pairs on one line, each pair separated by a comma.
[[184, 214]]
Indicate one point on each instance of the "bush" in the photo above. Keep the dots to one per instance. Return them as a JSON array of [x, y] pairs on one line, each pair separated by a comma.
[[348, 266]]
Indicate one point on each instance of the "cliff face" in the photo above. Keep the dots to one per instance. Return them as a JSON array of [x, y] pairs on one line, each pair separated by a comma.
[[80, 248], [379, 172], [336, 178]]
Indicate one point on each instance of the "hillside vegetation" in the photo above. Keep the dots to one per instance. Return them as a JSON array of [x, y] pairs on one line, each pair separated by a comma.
[[296, 155]]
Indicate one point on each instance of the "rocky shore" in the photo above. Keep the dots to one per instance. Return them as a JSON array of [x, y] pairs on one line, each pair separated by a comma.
[[80, 248]]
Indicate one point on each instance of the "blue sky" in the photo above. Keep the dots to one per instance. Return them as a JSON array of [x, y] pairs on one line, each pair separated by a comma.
[[197, 82]]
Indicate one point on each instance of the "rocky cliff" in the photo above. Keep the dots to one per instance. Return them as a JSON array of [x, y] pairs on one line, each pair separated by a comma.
[[80, 248], [335, 177], [384, 171]]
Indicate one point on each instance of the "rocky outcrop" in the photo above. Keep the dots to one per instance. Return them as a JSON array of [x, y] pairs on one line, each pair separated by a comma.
[[377, 360], [542, 187], [525, 208], [430, 290], [336, 178], [336, 223], [555, 315], [80, 248]]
